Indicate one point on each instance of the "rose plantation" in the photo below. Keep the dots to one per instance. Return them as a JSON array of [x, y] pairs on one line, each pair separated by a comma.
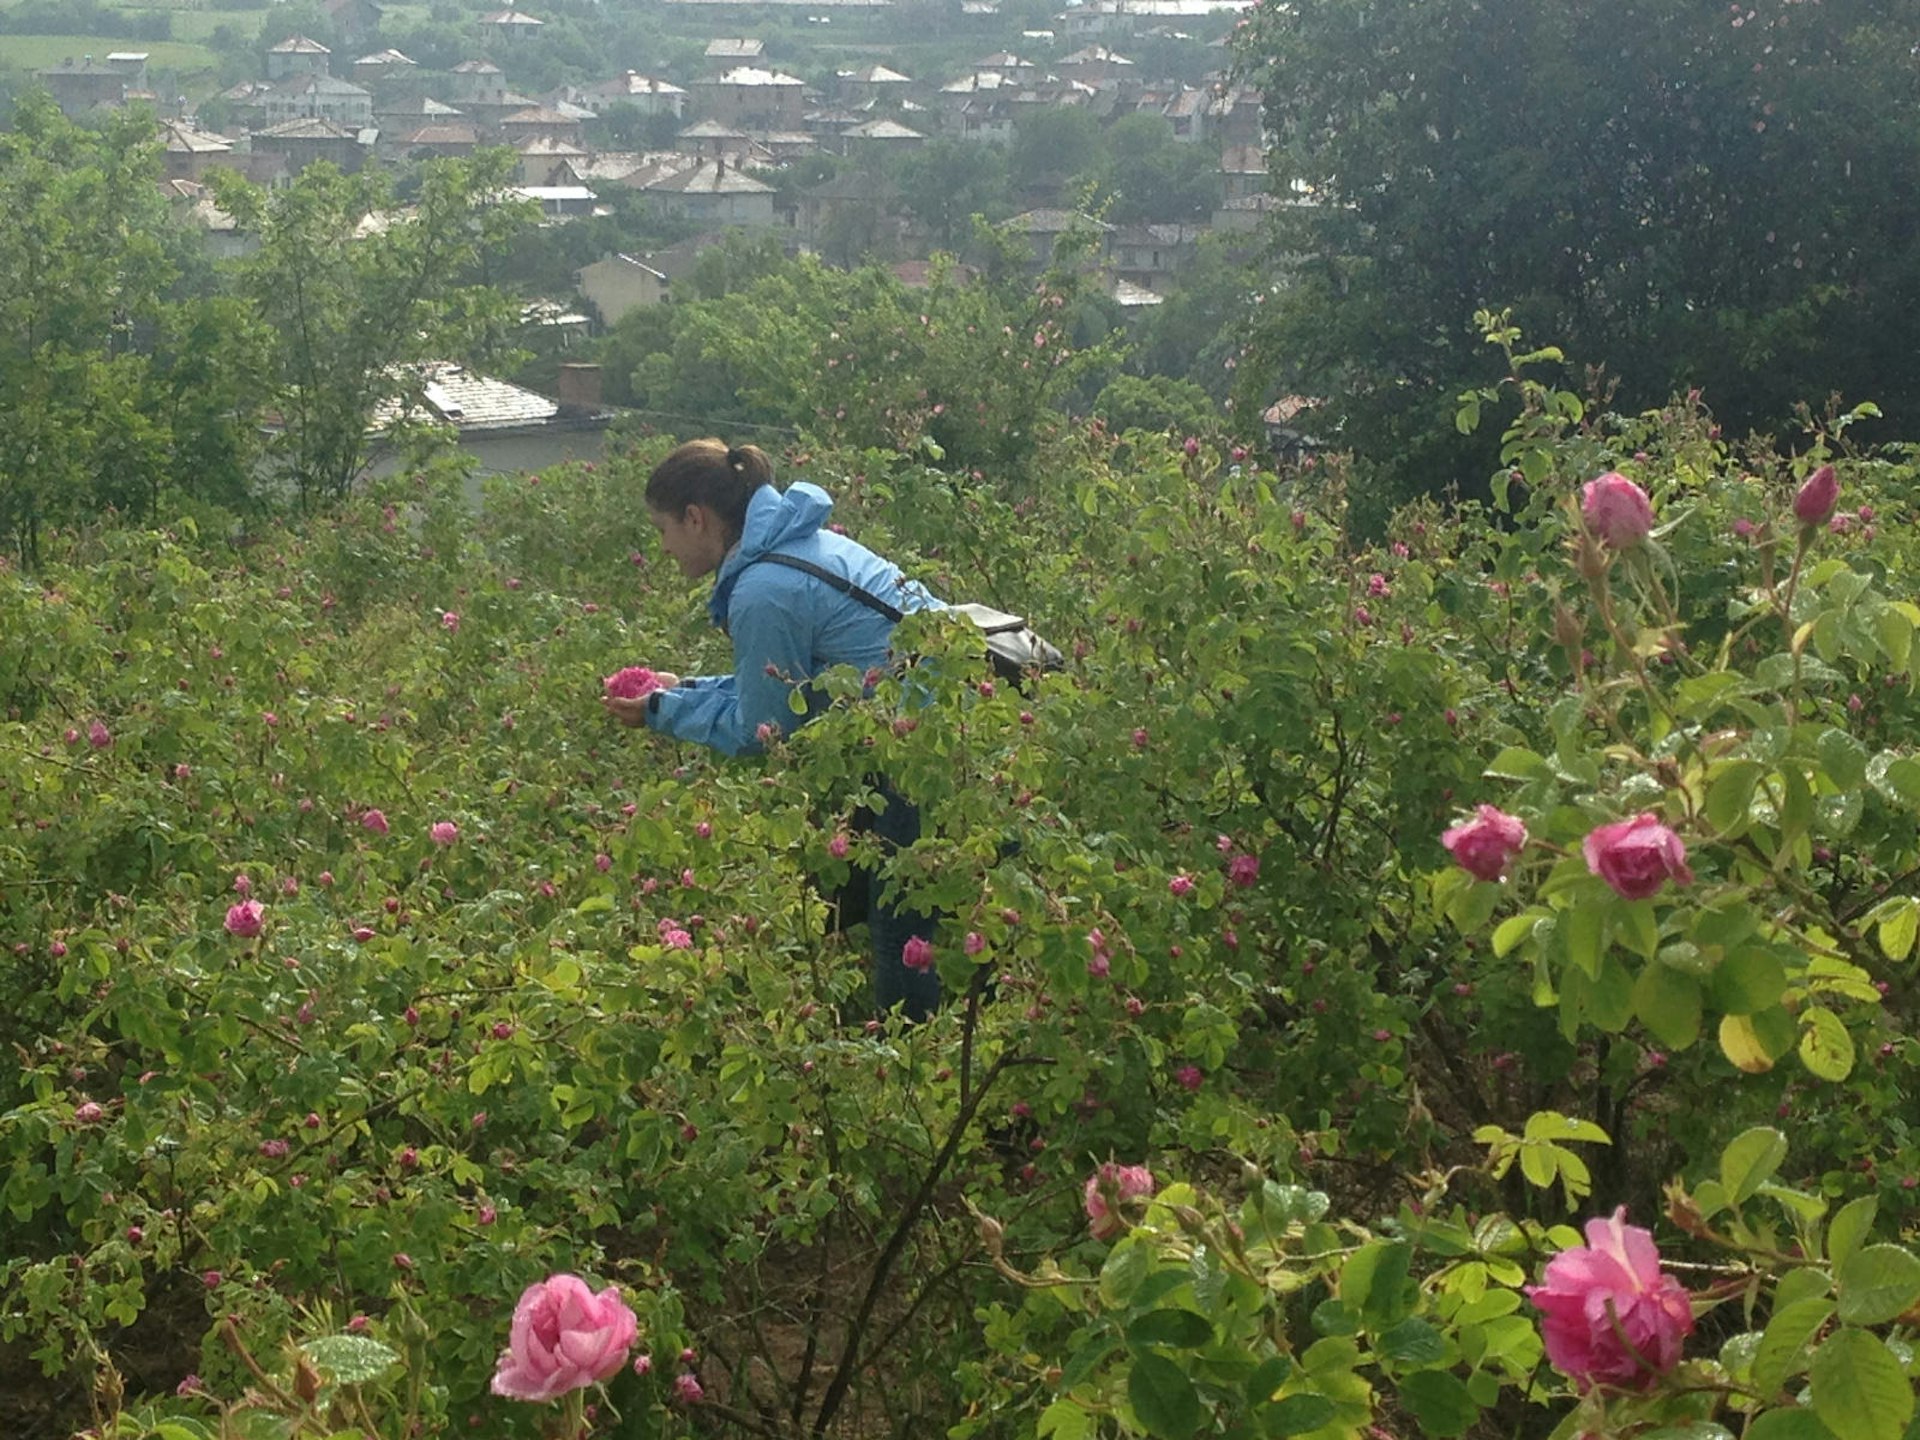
[[1454, 983]]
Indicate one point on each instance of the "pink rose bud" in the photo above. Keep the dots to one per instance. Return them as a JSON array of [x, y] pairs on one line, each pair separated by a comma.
[[703, 831], [1188, 1077], [686, 1389], [1813, 503], [917, 954], [357, 1325], [363, 933], [211, 1279], [242, 886], [89, 1112], [1743, 528], [450, 621], [837, 846], [974, 943], [603, 862], [1180, 885], [246, 919], [1486, 845], [1616, 510], [643, 1364], [1244, 870], [1638, 856], [274, 1149], [1141, 739], [486, 1215], [375, 821], [98, 736], [1610, 1315], [135, 1234], [444, 832], [1107, 1190]]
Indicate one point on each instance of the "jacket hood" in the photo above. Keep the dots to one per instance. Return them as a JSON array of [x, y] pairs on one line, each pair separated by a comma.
[[774, 518]]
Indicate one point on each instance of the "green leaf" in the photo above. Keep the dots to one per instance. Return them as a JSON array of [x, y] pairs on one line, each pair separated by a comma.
[[1163, 1397], [1843, 758], [1792, 1424], [1783, 1348], [1826, 1048], [1084, 1361], [1877, 1284], [1271, 1374], [1896, 777], [1749, 1160], [1859, 1390], [1439, 1401], [1899, 928], [1730, 795], [1583, 929], [1516, 763], [1668, 1004], [1852, 1225], [1510, 932], [1182, 1329], [1126, 1267], [1296, 1415], [349, 1359], [1412, 1342], [1749, 980], [1375, 1282], [1064, 1420]]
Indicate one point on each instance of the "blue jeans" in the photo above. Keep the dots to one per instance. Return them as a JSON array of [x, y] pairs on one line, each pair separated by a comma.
[[890, 924]]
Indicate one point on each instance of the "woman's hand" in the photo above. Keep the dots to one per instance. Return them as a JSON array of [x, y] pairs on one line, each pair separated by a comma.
[[633, 712]]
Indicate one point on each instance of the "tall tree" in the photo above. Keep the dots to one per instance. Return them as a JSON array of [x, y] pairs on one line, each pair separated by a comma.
[[96, 352], [1691, 194], [358, 295]]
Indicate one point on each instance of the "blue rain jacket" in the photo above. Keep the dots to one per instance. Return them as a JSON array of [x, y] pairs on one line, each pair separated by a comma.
[[787, 626]]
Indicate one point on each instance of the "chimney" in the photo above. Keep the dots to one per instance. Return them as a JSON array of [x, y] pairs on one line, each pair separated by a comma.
[[579, 389]]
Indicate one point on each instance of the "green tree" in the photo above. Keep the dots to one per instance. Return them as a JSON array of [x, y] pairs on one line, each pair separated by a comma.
[[355, 310], [1157, 402], [115, 390], [1051, 146], [1691, 195], [1152, 177], [1197, 332], [948, 182]]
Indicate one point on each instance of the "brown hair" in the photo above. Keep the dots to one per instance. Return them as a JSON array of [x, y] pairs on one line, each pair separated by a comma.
[[712, 473]]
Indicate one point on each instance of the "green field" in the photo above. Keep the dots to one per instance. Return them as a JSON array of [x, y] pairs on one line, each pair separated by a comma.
[[35, 52]]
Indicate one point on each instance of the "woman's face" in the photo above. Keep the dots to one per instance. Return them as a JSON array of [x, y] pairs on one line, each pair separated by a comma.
[[693, 538]]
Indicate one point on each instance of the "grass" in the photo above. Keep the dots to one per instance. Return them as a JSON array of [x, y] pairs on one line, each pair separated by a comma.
[[36, 52]]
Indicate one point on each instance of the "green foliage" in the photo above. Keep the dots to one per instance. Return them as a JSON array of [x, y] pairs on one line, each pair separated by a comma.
[[1131, 403], [355, 299], [1462, 155]]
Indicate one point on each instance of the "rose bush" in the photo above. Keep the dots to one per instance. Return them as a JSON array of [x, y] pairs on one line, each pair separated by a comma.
[[1203, 915]]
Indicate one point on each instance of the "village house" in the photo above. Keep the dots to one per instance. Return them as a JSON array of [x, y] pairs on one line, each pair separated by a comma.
[[724, 54], [188, 152], [850, 199], [880, 137], [509, 27], [376, 69], [619, 284], [547, 160], [299, 143], [444, 140], [871, 84], [1150, 256], [1096, 65], [751, 97], [646, 94], [79, 86], [1043, 229], [558, 203], [710, 140], [714, 193], [297, 55], [506, 428], [353, 20], [539, 122], [318, 97]]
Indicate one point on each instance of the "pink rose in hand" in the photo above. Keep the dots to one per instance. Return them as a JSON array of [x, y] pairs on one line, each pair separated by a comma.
[[1617, 510], [1611, 1316], [636, 682], [1486, 845], [1109, 1188], [564, 1337], [1636, 857]]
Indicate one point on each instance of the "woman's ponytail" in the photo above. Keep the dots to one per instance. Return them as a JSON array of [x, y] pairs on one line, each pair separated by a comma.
[[712, 473]]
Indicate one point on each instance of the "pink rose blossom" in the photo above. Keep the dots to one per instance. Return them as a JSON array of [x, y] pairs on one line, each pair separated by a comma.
[[242, 886], [1109, 1188], [1189, 1077], [246, 919], [1813, 503], [98, 736], [444, 832], [375, 821], [1636, 857], [643, 1364], [974, 943], [636, 682], [837, 846], [1486, 845], [89, 1112], [603, 862], [686, 1389], [450, 621], [1611, 1316], [917, 954], [1617, 510], [1180, 885], [564, 1337], [1244, 870]]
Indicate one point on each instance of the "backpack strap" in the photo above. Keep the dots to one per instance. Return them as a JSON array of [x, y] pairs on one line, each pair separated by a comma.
[[839, 582]]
